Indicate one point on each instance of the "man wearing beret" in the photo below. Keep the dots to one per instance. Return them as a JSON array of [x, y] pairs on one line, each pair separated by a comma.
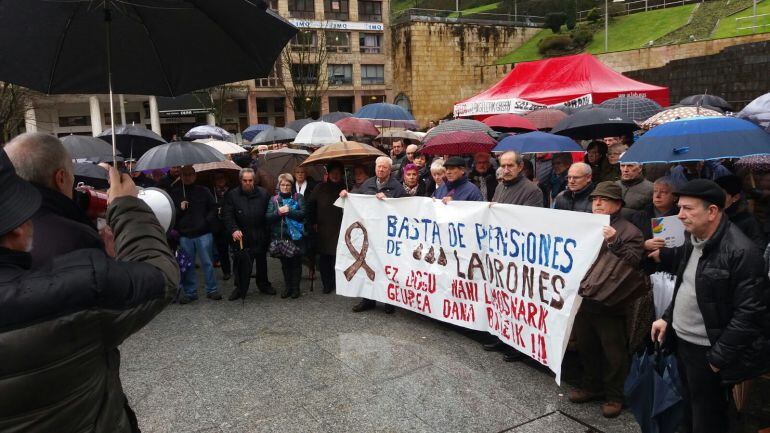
[[718, 318], [457, 185], [61, 323], [612, 283]]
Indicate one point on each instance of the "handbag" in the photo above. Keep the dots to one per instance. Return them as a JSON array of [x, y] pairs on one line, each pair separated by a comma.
[[283, 248]]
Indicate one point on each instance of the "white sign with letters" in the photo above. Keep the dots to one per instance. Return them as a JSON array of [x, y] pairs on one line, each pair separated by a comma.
[[337, 25]]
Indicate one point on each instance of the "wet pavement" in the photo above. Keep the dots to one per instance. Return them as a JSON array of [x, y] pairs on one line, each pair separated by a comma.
[[312, 365]]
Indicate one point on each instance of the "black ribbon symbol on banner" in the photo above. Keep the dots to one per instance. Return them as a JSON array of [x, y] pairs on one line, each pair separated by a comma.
[[360, 256]]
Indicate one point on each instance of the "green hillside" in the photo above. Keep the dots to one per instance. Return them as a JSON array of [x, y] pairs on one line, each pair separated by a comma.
[[726, 27]]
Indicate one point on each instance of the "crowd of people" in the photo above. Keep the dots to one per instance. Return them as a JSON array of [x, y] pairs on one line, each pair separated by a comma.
[[717, 318]]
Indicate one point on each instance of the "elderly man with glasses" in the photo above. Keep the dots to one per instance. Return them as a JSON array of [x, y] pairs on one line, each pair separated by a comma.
[[579, 188]]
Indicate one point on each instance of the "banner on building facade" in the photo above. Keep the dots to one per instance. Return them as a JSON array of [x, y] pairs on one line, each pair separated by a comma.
[[512, 271], [513, 105]]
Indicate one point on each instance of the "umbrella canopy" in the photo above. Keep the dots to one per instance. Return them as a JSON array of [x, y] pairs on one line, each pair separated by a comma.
[[756, 163], [87, 147], [285, 160], [224, 147], [298, 124], [345, 152], [398, 134], [509, 123], [158, 51], [352, 126], [758, 111], [335, 116], [132, 141], [316, 134], [249, 133], [545, 119], [208, 131], [636, 108], [91, 174], [218, 165], [274, 135], [207, 171], [537, 142], [710, 100], [699, 139], [457, 125], [595, 123], [177, 153], [678, 113], [458, 143], [388, 115], [653, 392]]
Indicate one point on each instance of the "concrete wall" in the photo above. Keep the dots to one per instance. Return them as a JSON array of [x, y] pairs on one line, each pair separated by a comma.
[[438, 64]]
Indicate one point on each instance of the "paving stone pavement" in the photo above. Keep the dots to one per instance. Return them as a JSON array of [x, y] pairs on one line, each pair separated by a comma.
[[312, 365]]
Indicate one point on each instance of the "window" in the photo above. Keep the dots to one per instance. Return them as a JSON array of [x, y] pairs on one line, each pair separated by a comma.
[[370, 11], [304, 74], [305, 40], [371, 43], [340, 74], [336, 10], [338, 42], [273, 79], [74, 121], [278, 105], [372, 74], [302, 9]]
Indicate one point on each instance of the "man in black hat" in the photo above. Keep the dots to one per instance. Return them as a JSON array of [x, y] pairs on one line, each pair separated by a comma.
[[457, 185], [61, 324], [719, 317], [61, 225], [612, 283]]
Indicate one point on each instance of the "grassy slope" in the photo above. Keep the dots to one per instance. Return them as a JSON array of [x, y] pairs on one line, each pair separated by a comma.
[[703, 21], [726, 26], [634, 31], [476, 10], [526, 52]]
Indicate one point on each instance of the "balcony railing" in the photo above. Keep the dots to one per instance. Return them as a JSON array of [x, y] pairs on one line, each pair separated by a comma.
[[372, 80], [371, 50], [338, 48], [268, 82], [340, 81]]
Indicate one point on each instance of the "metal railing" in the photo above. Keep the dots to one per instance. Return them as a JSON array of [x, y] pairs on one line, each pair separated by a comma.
[[268, 82], [370, 50], [450, 16], [761, 24], [631, 7]]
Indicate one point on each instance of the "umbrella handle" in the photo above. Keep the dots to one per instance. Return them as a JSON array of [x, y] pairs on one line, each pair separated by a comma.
[[240, 241]]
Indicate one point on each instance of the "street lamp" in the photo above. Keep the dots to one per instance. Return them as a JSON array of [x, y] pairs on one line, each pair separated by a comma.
[[606, 22]]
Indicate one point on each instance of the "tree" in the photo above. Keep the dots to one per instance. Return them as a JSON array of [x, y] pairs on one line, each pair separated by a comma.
[[555, 20], [304, 69], [14, 103], [217, 96], [570, 8]]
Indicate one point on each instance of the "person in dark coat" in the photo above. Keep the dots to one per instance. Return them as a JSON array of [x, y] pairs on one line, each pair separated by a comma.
[[61, 225], [718, 319], [515, 187], [244, 220], [222, 236], [303, 184], [286, 217], [663, 205], [457, 185], [412, 184], [170, 179], [196, 213], [579, 187], [383, 185], [61, 324], [737, 210], [612, 283], [483, 175], [556, 181], [325, 219]]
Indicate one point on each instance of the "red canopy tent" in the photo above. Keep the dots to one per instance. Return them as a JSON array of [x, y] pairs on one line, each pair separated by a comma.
[[570, 81]]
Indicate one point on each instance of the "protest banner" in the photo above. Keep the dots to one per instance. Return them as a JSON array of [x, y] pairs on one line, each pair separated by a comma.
[[512, 271]]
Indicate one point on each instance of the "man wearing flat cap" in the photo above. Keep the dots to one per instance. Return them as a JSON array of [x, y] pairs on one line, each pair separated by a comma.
[[457, 185], [61, 323], [718, 319], [611, 285]]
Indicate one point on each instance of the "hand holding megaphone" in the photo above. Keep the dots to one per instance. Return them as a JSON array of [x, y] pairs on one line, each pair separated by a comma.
[[121, 185]]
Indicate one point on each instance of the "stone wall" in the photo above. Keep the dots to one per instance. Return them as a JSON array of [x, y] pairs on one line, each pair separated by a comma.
[[738, 73], [436, 65]]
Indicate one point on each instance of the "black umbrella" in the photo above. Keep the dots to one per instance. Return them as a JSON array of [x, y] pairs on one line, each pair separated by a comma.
[[274, 135], [635, 107], [87, 147], [91, 174], [595, 123], [133, 141], [705, 99], [177, 153], [335, 116], [653, 392], [299, 123], [163, 48]]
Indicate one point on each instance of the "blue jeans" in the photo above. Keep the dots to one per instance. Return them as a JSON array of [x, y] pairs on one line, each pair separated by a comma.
[[203, 245]]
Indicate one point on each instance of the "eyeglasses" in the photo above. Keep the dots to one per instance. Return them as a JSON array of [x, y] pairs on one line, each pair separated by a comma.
[[576, 177]]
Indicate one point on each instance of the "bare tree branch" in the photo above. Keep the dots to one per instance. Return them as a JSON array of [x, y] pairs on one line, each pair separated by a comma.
[[304, 63]]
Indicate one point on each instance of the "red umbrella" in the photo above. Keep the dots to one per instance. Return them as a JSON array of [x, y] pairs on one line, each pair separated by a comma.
[[353, 126], [509, 123], [546, 118], [458, 143]]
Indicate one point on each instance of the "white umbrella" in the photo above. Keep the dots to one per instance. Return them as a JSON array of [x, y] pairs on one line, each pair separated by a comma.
[[317, 134], [224, 147]]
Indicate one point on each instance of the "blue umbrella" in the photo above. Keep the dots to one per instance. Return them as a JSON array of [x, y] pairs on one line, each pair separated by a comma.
[[387, 115], [249, 133], [699, 139], [208, 131], [537, 142]]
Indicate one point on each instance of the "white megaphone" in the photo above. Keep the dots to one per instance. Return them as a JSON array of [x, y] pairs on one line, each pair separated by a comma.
[[161, 205]]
